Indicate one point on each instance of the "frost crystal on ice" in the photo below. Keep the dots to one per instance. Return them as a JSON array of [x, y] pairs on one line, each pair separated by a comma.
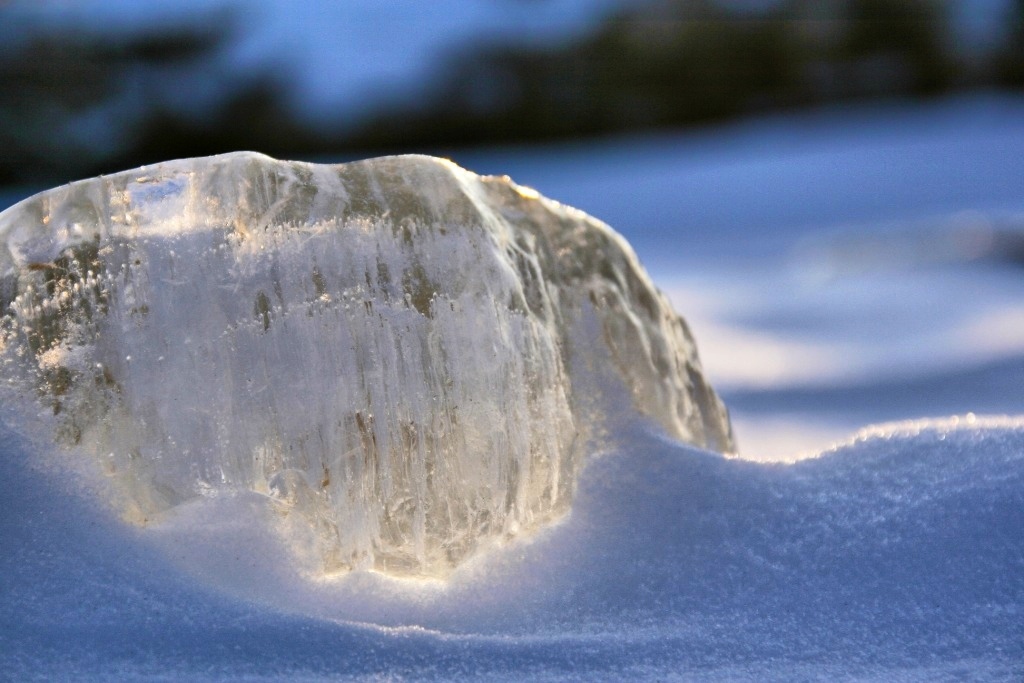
[[408, 357]]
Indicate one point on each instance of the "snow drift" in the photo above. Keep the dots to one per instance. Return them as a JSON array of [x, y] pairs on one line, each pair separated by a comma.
[[407, 358], [896, 557]]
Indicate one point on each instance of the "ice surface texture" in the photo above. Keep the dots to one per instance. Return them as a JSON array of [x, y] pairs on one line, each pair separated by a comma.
[[410, 358]]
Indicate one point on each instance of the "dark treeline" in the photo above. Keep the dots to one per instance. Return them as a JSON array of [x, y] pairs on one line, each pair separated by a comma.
[[667, 63]]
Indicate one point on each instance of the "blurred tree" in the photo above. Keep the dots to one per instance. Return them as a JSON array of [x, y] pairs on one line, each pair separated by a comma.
[[253, 118], [677, 62], [857, 49], [68, 101], [1009, 67], [893, 47], [74, 104], [663, 63], [691, 60]]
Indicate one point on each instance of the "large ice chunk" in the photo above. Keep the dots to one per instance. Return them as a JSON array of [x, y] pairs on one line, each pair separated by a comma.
[[410, 358]]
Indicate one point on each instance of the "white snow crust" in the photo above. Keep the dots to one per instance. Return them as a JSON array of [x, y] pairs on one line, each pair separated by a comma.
[[408, 359], [896, 557]]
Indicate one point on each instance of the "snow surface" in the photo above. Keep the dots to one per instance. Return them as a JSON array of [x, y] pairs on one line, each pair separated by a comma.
[[895, 555]]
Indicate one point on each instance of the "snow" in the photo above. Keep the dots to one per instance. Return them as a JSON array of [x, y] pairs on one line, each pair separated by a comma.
[[890, 552], [897, 557]]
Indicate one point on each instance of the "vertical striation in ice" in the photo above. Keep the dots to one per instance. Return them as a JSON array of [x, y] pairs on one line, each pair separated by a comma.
[[408, 357]]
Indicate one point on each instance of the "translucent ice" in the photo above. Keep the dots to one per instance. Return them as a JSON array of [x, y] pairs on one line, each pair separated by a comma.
[[408, 357]]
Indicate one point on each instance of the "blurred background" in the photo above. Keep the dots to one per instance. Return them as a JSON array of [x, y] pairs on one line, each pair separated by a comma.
[[88, 86], [829, 190]]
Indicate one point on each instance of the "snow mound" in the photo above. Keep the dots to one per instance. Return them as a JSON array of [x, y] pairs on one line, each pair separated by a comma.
[[897, 556], [407, 358]]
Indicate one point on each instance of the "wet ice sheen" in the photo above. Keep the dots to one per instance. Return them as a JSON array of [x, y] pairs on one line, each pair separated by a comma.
[[409, 358]]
